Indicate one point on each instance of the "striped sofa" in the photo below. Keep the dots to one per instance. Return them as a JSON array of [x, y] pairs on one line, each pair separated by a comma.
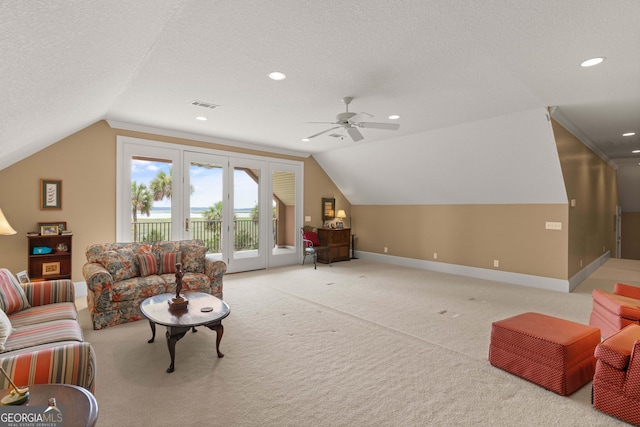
[[41, 340], [120, 276]]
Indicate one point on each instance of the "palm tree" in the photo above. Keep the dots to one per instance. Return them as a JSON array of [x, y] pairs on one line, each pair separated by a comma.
[[214, 213], [161, 185], [141, 200]]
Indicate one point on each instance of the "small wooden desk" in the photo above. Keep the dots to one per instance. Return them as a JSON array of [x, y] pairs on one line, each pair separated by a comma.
[[338, 241], [79, 407]]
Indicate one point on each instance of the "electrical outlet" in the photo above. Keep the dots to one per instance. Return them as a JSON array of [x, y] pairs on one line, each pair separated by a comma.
[[496, 263], [386, 249], [435, 255], [551, 225]]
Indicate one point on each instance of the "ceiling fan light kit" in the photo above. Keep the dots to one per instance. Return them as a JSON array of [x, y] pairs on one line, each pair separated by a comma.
[[350, 122]]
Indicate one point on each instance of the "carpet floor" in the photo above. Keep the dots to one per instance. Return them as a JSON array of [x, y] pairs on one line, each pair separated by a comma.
[[357, 343]]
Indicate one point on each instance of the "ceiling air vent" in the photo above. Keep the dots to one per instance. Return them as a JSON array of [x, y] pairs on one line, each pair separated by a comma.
[[204, 104]]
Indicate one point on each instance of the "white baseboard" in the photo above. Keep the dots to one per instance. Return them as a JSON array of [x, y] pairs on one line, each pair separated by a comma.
[[586, 272], [528, 280], [80, 288]]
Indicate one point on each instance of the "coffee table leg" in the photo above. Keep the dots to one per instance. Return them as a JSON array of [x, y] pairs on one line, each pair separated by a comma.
[[173, 336], [219, 331], [153, 331]]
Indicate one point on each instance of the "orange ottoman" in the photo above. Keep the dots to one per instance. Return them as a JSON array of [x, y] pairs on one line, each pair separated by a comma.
[[554, 353]]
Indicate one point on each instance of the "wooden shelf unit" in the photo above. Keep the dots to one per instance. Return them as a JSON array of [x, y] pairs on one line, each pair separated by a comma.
[[62, 259], [338, 241]]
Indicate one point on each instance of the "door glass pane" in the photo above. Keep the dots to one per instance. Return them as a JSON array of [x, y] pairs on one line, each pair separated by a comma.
[[150, 199], [206, 205], [284, 212], [246, 218]]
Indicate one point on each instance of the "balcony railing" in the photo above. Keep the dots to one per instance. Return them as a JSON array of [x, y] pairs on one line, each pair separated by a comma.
[[246, 232]]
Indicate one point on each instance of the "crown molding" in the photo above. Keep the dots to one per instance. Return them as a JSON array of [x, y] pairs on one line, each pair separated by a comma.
[[115, 124]]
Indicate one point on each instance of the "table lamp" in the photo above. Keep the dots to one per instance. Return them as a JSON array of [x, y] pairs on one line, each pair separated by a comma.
[[341, 215], [5, 228]]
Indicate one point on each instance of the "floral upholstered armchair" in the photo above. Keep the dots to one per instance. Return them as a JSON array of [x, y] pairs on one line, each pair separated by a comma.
[[120, 276]]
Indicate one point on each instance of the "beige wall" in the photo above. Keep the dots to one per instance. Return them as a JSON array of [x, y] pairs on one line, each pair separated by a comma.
[[86, 164], [469, 235], [316, 186], [593, 184]]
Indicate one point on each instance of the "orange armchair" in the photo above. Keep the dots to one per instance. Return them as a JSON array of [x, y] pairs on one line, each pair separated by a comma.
[[616, 382], [613, 311]]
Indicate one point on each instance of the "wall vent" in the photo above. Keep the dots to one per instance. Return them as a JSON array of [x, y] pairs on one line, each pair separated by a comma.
[[204, 104]]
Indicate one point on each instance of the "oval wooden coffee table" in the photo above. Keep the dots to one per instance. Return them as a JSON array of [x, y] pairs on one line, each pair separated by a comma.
[[203, 310]]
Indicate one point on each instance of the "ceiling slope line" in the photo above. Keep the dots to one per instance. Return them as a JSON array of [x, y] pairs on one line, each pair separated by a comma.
[[556, 114]]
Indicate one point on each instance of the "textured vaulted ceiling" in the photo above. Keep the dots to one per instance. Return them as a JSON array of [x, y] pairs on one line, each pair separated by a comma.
[[438, 64]]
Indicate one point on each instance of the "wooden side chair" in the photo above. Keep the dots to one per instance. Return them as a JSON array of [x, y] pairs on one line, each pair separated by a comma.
[[311, 245]]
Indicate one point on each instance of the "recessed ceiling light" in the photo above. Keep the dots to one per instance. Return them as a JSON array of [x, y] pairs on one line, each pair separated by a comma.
[[593, 61], [306, 139], [277, 75], [394, 117], [628, 134], [201, 118]]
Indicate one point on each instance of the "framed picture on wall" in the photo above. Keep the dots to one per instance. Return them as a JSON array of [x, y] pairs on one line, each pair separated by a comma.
[[328, 208], [50, 194]]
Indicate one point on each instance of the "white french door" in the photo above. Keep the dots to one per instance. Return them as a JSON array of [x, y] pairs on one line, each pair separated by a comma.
[[251, 209], [139, 168], [285, 184], [205, 207], [245, 208]]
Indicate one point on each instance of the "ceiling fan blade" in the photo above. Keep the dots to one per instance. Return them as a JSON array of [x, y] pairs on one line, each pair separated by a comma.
[[360, 117], [324, 131], [373, 125], [355, 134]]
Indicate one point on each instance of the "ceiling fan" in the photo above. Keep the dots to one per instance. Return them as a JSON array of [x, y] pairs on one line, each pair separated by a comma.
[[352, 121]]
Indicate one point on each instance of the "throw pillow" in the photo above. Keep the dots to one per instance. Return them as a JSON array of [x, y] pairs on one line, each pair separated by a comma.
[[121, 264], [193, 258], [12, 296], [148, 264], [313, 237], [168, 261], [5, 329]]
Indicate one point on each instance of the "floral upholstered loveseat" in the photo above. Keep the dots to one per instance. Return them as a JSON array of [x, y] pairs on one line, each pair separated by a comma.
[[41, 340], [120, 276]]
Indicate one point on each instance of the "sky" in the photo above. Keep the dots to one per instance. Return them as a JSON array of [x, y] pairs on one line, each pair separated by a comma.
[[207, 184]]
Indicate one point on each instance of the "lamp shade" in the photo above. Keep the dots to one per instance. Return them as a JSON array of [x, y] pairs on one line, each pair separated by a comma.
[[5, 228], [341, 214]]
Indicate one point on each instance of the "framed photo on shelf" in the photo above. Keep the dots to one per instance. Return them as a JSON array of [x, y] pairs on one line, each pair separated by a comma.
[[49, 230], [50, 194], [62, 225], [23, 277], [50, 268], [339, 225]]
